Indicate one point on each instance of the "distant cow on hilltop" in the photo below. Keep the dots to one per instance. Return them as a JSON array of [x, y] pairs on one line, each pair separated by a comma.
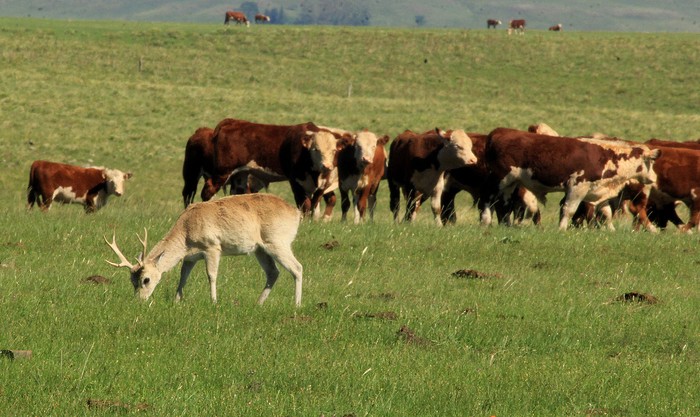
[[492, 23], [261, 18], [238, 17], [517, 26]]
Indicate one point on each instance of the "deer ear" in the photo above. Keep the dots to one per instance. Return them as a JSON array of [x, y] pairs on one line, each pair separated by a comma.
[[158, 258]]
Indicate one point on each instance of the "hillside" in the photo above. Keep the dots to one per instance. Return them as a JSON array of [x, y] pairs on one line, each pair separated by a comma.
[[615, 15]]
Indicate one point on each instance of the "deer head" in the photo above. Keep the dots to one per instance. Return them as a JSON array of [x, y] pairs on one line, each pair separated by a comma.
[[145, 275]]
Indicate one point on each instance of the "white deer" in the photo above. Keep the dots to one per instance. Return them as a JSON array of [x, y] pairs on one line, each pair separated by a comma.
[[262, 224]]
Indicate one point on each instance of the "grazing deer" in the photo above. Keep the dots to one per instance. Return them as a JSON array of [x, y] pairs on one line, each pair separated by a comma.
[[262, 224]]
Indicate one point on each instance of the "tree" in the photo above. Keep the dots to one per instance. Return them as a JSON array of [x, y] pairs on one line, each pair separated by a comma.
[[249, 8]]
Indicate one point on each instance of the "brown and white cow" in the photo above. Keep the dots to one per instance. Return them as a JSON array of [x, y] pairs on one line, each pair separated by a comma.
[[517, 26], [677, 179], [299, 154], [361, 167], [591, 170], [63, 183], [261, 18], [556, 28], [199, 162], [472, 179], [492, 23], [417, 166], [238, 17]]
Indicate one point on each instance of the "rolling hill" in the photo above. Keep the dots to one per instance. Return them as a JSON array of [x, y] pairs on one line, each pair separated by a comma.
[[579, 15]]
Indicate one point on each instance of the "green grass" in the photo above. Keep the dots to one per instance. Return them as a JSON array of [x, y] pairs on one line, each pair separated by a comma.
[[540, 335]]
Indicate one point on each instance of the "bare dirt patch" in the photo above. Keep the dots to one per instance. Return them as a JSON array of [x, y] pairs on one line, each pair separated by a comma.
[[410, 337], [97, 279], [474, 274], [330, 245], [116, 405], [636, 297], [382, 315]]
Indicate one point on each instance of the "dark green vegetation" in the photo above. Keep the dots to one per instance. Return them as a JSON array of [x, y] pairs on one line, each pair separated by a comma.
[[613, 15], [534, 329]]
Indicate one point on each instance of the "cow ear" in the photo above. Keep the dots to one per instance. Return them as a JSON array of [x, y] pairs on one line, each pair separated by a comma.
[[442, 134], [383, 140], [307, 139], [128, 175], [655, 154]]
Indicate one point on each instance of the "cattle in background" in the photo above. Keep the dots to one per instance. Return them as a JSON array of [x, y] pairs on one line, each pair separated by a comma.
[[556, 28], [492, 23], [361, 166], [677, 179], [417, 166], [299, 154], [63, 183], [261, 18], [199, 162], [517, 26], [542, 129], [472, 179], [238, 17], [591, 170]]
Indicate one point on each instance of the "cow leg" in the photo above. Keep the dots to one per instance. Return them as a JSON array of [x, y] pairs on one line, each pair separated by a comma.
[[361, 204], [694, 206], [572, 199], [316, 202], [436, 201], [329, 199], [413, 202], [185, 271], [344, 204], [606, 215], [448, 214], [372, 202], [302, 201], [394, 199]]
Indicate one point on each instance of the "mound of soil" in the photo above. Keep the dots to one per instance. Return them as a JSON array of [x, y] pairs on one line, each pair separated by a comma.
[[637, 297], [382, 315], [330, 245], [410, 337], [474, 274], [97, 279]]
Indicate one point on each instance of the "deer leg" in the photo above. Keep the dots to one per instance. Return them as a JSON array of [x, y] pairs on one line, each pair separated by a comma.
[[284, 256], [212, 260], [185, 271], [271, 272]]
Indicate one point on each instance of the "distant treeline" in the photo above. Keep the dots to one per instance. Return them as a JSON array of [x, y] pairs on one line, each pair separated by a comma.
[[314, 12]]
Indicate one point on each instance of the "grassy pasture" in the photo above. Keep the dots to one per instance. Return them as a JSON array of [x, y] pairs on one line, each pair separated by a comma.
[[540, 333]]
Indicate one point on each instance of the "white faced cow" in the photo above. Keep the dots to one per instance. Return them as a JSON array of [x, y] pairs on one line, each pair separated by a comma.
[[53, 181], [417, 166]]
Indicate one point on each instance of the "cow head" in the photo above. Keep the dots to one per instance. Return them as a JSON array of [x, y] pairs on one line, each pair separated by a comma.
[[145, 275], [365, 147], [115, 181], [456, 150], [323, 146]]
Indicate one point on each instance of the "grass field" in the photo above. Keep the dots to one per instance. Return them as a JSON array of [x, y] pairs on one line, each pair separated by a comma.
[[538, 332]]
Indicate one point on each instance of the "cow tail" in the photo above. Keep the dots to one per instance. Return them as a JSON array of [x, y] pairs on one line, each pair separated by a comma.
[[31, 193]]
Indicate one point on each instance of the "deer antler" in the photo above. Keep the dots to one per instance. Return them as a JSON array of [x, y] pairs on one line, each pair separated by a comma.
[[115, 248], [143, 242]]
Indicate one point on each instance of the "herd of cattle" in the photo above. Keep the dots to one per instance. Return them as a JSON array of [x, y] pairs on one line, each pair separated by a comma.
[[518, 26], [507, 172], [514, 26]]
